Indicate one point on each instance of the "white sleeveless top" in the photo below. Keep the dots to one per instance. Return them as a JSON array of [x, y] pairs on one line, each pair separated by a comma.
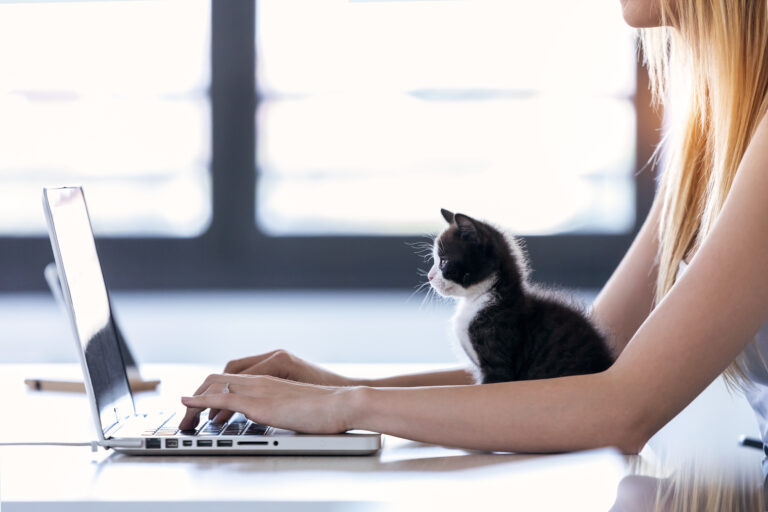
[[757, 390]]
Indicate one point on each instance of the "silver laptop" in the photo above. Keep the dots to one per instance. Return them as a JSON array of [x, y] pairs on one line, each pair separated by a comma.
[[118, 425]]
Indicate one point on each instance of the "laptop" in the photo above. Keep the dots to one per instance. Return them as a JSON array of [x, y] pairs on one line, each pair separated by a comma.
[[118, 425]]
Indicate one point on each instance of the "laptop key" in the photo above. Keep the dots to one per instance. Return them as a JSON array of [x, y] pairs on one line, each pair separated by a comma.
[[255, 429], [238, 417], [211, 429]]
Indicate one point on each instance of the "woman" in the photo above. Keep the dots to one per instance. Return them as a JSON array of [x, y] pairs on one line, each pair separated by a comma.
[[672, 337]]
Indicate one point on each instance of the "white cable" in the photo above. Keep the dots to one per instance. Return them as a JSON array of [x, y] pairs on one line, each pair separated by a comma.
[[93, 444]]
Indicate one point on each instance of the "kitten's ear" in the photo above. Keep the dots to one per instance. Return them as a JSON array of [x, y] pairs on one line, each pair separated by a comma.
[[448, 216], [467, 225]]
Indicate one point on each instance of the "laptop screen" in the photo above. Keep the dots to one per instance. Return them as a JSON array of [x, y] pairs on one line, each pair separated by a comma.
[[87, 300]]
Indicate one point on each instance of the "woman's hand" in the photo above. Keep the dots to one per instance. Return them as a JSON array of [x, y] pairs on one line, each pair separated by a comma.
[[278, 363], [271, 401], [285, 365]]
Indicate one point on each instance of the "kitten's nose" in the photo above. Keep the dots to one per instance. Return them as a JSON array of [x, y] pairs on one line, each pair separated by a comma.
[[431, 274]]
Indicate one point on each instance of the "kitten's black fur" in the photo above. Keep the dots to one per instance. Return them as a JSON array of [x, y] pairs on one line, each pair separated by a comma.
[[523, 332]]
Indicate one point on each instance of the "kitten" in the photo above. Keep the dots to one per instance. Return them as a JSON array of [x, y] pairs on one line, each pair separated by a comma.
[[509, 329]]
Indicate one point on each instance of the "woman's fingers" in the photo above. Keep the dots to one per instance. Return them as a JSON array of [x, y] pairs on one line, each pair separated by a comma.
[[277, 365], [212, 384], [220, 416], [215, 384], [209, 381], [191, 418], [206, 384], [281, 403], [284, 365], [221, 401], [239, 365]]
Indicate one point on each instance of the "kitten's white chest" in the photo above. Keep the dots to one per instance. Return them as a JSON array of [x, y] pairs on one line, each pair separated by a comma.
[[462, 318]]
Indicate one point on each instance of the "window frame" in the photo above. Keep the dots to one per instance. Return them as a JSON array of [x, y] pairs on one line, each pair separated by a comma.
[[233, 254]]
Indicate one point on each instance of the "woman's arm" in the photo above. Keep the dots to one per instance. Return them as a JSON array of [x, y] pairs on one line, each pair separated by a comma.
[[627, 298], [449, 377], [286, 366], [703, 323], [283, 364]]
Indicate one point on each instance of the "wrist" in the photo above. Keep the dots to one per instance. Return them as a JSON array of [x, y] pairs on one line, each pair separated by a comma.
[[353, 406], [356, 382]]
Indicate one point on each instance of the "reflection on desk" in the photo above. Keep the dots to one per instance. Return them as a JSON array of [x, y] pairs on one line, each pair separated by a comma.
[[694, 484]]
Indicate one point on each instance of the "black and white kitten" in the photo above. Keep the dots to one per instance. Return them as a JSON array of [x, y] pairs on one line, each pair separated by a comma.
[[510, 329]]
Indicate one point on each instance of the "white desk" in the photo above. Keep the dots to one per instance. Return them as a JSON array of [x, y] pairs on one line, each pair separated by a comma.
[[403, 476]]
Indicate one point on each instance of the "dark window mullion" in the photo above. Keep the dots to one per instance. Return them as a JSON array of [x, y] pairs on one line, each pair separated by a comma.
[[233, 106]]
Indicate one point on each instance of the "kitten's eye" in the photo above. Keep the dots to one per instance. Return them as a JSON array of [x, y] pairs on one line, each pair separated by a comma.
[[442, 263]]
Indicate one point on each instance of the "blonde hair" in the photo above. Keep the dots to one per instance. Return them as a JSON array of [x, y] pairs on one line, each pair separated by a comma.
[[673, 480], [708, 64]]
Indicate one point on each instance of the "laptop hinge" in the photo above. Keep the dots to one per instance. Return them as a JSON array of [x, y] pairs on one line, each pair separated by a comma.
[[110, 430]]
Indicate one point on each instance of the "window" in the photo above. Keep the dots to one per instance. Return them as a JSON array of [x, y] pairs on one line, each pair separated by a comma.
[[374, 115], [354, 122], [113, 96]]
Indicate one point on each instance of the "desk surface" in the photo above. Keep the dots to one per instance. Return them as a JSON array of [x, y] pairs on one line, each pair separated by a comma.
[[404, 475]]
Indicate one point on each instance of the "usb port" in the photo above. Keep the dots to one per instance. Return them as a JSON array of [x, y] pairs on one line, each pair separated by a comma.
[[205, 442], [187, 442], [224, 442], [171, 443], [153, 444]]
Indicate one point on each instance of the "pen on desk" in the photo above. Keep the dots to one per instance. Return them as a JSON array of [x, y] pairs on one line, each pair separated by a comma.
[[78, 387], [55, 385]]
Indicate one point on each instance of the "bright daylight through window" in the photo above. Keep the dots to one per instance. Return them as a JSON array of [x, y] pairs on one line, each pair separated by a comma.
[[112, 96], [373, 115]]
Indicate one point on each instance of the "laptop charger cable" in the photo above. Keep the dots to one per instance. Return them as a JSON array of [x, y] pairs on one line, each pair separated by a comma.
[[93, 444]]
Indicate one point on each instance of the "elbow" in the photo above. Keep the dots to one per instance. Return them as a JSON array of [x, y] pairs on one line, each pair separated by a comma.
[[634, 429], [634, 420], [631, 443]]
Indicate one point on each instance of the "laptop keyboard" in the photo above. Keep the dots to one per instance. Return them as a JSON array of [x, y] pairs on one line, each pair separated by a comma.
[[236, 426]]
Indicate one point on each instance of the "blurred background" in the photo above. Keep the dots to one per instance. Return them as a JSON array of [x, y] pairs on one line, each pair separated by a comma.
[[258, 170]]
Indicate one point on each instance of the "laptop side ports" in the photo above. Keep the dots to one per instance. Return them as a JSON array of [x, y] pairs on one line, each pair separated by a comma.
[[204, 443], [152, 444], [171, 443]]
